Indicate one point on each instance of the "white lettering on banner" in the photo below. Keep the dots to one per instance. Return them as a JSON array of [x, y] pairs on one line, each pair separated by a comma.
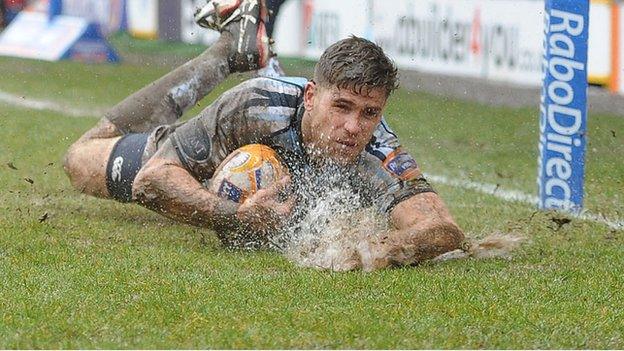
[[564, 120], [560, 86], [560, 38], [560, 167], [564, 150], [561, 184], [571, 23], [558, 114], [565, 63]]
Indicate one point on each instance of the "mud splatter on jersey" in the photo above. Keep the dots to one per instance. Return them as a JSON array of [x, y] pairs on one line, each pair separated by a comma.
[[268, 111]]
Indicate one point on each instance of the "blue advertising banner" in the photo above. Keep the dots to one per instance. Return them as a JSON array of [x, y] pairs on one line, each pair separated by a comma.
[[563, 105]]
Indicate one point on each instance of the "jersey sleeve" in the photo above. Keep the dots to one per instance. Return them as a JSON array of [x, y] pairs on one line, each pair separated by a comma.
[[245, 114], [391, 172]]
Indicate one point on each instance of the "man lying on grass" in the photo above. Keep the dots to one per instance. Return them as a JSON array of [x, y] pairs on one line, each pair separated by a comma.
[[137, 152]]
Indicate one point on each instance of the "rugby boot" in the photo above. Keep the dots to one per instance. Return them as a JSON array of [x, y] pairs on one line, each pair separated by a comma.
[[215, 13], [245, 20]]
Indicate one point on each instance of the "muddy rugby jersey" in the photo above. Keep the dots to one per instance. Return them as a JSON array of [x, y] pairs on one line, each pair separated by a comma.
[[268, 111]]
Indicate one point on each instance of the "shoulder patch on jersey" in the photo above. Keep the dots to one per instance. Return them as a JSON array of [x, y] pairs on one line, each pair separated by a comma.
[[383, 142], [401, 164]]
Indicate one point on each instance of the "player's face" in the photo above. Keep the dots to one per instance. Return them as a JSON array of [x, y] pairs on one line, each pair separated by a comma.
[[339, 122]]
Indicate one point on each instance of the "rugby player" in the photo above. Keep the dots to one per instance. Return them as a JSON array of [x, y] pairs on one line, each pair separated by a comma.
[[138, 152]]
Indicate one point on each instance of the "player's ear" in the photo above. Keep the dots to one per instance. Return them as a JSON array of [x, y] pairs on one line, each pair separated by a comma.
[[309, 92]]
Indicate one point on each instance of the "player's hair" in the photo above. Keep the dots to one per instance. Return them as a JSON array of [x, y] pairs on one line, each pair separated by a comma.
[[357, 64]]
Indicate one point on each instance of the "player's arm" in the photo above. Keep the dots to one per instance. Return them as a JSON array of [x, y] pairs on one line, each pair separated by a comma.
[[169, 182], [423, 226], [166, 186], [423, 229]]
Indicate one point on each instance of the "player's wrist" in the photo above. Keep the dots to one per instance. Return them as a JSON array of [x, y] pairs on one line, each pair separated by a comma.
[[223, 213]]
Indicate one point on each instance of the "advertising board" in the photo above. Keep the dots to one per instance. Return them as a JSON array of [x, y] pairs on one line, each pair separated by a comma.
[[143, 18], [108, 14], [190, 31], [600, 42], [326, 22], [477, 38], [30, 35], [34, 35]]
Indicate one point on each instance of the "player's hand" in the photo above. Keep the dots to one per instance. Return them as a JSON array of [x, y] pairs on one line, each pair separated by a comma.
[[265, 210]]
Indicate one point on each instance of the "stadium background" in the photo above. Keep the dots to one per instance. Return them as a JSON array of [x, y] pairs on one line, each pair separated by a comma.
[[451, 45], [79, 272]]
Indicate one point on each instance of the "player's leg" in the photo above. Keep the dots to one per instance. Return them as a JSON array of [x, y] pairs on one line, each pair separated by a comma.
[[159, 103], [274, 8], [101, 155], [273, 68], [86, 160], [242, 46]]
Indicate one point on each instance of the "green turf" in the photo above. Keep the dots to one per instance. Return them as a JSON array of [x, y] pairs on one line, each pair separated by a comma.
[[98, 274]]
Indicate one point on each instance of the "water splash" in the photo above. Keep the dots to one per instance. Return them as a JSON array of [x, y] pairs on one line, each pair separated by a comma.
[[334, 233], [334, 224], [336, 228], [497, 245]]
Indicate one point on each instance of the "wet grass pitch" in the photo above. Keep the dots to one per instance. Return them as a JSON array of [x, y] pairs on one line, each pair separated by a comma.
[[79, 272]]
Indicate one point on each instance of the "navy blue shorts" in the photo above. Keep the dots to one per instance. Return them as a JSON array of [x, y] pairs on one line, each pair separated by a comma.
[[123, 165]]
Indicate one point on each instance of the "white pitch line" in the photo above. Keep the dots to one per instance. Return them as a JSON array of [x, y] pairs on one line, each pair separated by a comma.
[[519, 196], [485, 188], [46, 105]]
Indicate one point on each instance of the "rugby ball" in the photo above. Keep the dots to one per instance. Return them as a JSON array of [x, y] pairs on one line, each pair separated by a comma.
[[245, 171]]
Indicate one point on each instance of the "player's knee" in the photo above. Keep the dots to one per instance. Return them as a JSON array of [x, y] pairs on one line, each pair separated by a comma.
[[85, 164], [69, 163], [74, 167]]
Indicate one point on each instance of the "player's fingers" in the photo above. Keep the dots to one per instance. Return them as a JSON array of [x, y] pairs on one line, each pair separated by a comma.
[[283, 209], [274, 208], [284, 181], [262, 194], [279, 189], [290, 203], [282, 184], [269, 192]]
